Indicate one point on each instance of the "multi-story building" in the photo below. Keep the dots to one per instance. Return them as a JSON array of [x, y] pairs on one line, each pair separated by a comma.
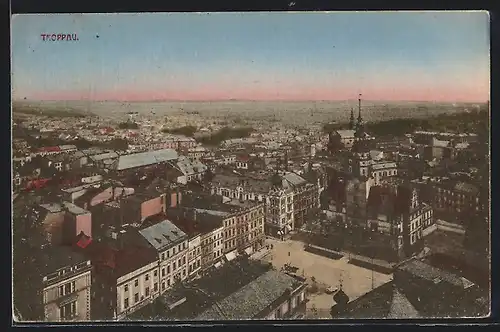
[[411, 221], [305, 197], [251, 290], [455, 198], [211, 246], [244, 227], [194, 255], [171, 245], [126, 277], [365, 163], [204, 229], [279, 194], [51, 284]]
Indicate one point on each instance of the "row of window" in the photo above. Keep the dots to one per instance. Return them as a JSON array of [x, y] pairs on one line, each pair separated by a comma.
[[67, 288], [180, 262], [68, 311], [194, 266], [179, 248]]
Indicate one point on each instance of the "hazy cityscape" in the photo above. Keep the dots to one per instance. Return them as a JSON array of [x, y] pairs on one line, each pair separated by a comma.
[[242, 208]]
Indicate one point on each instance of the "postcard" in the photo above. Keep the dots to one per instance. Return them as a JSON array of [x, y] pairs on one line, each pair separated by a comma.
[[277, 166]]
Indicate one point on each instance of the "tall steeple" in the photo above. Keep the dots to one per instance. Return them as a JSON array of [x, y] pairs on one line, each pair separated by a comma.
[[360, 119], [352, 123]]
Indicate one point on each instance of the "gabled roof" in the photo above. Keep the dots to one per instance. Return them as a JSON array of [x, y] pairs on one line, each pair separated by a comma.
[[401, 307], [257, 295], [190, 167], [294, 179], [346, 133], [145, 159], [431, 273]]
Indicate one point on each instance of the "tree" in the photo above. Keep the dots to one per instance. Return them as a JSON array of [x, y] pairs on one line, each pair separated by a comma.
[[208, 176]]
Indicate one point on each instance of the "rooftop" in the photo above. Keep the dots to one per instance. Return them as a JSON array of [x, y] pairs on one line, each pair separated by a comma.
[[208, 298], [162, 234], [74, 209], [46, 260], [428, 272], [385, 301], [257, 295], [145, 158]]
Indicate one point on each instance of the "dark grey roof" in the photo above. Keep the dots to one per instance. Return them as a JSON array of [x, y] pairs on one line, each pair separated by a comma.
[[431, 273], [162, 234], [253, 298], [294, 179]]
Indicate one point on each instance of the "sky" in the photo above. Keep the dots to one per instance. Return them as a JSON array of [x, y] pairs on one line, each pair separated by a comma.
[[417, 56]]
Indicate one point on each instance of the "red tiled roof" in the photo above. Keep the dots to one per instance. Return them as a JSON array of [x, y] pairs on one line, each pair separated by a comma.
[[83, 241]]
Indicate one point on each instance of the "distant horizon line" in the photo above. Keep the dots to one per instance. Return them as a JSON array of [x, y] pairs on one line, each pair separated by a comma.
[[253, 100]]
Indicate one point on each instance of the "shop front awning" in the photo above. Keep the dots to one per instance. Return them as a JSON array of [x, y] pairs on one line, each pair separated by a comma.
[[230, 256], [218, 264], [249, 250]]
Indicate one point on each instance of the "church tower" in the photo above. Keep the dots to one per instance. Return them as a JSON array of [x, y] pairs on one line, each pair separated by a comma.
[[359, 124], [352, 123]]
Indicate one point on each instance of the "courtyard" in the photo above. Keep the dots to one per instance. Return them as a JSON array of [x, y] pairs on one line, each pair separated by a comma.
[[323, 272]]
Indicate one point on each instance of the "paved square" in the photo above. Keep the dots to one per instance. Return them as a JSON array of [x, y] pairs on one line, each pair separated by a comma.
[[356, 281]]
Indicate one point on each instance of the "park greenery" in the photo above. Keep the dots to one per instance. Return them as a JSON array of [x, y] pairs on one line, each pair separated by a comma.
[[225, 134], [128, 125], [188, 131], [464, 122], [53, 113]]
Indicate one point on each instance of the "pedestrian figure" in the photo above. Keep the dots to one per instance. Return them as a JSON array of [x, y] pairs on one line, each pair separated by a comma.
[[289, 254]]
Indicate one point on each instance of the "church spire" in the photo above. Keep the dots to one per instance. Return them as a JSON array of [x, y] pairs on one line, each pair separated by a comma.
[[351, 121], [360, 119]]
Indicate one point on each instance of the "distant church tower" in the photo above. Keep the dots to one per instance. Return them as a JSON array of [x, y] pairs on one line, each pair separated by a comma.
[[352, 123], [359, 124]]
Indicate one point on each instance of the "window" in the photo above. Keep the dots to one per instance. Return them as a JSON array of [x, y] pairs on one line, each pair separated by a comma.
[[163, 285], [147, 277], [125, 303], [179, 262], [156, 273], [163, 272], [136, 297], [68, 311], [168, 269], [67, 288], [168, 254], [173, 253], [168, 282], [136, 282], [183, 260], [126, 288], [147, 291], [174, 266], [184, 272], [179, 247], [163, 256]]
